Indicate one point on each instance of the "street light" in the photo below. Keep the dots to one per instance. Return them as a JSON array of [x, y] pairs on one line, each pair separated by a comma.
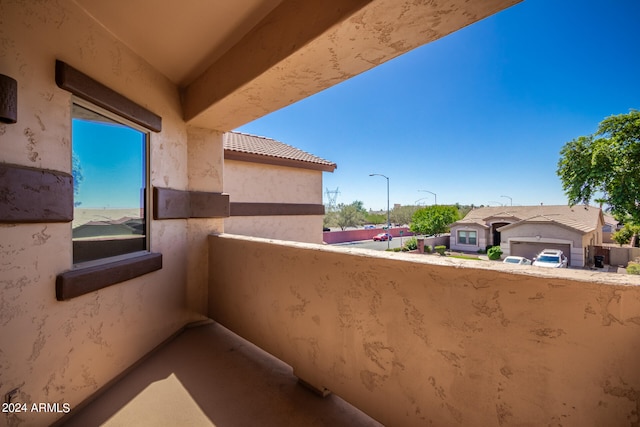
[[435, 197], [510, 200], [388, 221]]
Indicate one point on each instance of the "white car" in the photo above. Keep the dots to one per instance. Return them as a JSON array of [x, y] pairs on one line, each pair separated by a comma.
[[551, 258], [517, 260]]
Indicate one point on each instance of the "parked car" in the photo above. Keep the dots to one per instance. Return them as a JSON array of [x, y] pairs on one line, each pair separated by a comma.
[[511, 259], [382, 237], [369, 227], [551, 258]]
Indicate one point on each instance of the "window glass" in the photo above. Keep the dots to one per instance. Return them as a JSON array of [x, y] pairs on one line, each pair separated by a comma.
[[467, 237], [472, 237], [109, 166]]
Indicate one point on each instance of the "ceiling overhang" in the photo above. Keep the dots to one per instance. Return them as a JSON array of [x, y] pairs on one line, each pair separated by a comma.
[[237, 61]]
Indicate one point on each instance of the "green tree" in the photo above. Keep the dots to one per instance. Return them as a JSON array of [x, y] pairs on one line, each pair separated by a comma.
[[350, 215], [402, 214], [605, 164], [375, 218], [433, 220], [330, 219], [625, 234], [359, 206]]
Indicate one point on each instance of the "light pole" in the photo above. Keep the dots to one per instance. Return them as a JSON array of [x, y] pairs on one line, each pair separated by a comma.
[[388, 221], [435, 197], [510, 200]]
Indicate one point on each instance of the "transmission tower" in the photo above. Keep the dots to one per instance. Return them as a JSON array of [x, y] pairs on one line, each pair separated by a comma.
[[332, 196]]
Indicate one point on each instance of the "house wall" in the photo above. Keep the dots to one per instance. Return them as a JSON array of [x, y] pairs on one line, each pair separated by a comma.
[[63, 352], [482, 242], [415, 341], [263, 183], [548, 233]]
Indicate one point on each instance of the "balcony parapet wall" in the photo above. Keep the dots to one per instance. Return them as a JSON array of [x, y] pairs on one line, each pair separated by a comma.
[[417, 340]]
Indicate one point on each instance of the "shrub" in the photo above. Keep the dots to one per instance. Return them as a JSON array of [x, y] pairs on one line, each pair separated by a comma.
[[494, 252], [633, 268], [427, 249], [411, 244], [440, 249]]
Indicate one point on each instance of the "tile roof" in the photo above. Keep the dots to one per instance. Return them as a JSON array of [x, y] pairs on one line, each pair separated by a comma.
[[579, 217], [271, 151], [560, 220]]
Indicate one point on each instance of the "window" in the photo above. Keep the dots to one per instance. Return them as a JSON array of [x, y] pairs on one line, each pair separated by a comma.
[[110, 177], [467, 237]]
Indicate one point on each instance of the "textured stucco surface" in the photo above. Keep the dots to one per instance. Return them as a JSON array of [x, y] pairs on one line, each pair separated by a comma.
[[417, 341], [64, 351], [293, 66], [262, 183], [482, 236]]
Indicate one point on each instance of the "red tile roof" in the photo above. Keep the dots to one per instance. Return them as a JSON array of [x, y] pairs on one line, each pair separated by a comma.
[[244, 147]]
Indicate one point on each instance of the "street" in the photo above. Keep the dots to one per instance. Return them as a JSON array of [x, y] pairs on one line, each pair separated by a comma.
[[370, 244]]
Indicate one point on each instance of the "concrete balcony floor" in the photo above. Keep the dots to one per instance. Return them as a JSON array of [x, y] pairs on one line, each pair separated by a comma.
[[208, 376]]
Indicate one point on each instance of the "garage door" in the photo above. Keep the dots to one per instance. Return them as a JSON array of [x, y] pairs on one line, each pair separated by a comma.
[[531, 249]]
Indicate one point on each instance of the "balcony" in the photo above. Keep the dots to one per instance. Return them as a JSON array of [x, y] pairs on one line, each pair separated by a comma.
[[208, 376], [409, 340]]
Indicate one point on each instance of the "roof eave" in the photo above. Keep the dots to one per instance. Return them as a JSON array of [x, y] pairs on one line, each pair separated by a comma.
[[277, 161]]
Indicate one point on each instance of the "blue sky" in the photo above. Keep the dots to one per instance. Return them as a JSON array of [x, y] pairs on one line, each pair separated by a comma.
[[111, 158], [477, 115]]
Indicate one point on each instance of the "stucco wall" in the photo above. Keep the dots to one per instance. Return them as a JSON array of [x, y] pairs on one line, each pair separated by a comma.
[[417, 341], [262, 183], [482, 236], [256, 182], [297, 228], [622, 256], [331, 237], [64, 351], [543, 230]]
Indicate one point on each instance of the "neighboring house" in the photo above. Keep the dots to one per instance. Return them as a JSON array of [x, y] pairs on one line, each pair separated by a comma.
[[610, 226], [526, 230], [275, 189]]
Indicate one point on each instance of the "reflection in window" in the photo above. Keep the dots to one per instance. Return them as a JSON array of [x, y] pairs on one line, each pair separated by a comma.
[[109, 164], [467, 237]]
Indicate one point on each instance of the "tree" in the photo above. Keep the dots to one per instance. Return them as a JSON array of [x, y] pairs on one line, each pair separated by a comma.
[[625, 234], [402, 214], [375, 218], [433, 220], [330, 219], [78, 176], [605, 164], [350, 215]]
